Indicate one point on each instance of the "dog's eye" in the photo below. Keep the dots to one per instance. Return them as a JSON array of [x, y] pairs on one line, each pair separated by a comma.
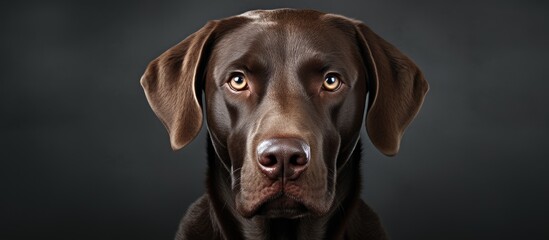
[[331, 83], [238, 82]]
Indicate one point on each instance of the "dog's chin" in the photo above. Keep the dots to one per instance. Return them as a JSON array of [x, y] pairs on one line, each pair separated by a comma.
[[277, 206], [283, 204], [282, 207]]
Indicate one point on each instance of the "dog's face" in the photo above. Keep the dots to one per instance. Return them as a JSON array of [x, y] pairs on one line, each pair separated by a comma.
[[285, 94], [293, 87]]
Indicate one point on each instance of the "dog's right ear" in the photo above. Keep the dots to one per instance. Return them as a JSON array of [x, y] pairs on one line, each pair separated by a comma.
[[172, 84], [397, 89]]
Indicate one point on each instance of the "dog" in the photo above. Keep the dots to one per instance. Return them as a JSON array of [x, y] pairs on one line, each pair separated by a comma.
[[286, 94]]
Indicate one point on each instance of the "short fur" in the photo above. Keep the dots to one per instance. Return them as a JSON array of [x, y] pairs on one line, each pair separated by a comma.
[[284, 55]]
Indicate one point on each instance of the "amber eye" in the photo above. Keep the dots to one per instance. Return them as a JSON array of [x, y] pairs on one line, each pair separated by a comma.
[[238, 82], [331, 83]]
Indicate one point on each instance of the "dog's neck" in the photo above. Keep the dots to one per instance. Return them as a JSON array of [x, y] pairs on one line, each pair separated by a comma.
[[231, 225]]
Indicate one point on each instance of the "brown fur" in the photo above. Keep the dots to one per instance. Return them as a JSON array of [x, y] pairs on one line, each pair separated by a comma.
[[284, 55]]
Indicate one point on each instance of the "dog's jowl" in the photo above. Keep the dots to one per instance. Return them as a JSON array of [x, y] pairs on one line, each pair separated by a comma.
[[285, 93]]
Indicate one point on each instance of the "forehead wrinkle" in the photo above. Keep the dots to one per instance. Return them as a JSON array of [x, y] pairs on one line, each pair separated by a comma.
[[245, 47], [307, 46], [332, 47]]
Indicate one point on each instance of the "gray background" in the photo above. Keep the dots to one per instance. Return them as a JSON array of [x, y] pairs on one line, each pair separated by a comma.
[[83, 156]]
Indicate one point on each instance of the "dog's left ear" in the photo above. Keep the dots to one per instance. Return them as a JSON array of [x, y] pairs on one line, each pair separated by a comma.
[[397, 88], [172, 86]]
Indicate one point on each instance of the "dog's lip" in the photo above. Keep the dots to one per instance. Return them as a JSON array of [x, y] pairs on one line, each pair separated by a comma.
[[282, 206]]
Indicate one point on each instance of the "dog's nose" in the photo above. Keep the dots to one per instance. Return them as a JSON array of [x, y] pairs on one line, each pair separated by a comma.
[[283, 157]]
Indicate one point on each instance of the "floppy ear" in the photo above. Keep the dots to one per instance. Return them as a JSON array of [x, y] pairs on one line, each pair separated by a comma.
[[172, 84], [397, 88]]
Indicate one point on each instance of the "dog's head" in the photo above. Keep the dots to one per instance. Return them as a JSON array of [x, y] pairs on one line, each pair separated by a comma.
[[285, 94]]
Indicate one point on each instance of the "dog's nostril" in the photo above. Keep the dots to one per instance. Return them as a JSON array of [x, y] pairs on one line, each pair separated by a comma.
[[298, 159], [268, 160]]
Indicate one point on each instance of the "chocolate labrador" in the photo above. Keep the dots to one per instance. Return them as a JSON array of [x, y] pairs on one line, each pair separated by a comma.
[[285, 95]]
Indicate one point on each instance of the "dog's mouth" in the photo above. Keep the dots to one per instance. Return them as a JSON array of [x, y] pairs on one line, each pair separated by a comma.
[[282, 206], [290, 202]]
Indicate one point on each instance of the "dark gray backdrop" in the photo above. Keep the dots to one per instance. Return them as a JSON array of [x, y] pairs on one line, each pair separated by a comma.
[[83, 156]]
